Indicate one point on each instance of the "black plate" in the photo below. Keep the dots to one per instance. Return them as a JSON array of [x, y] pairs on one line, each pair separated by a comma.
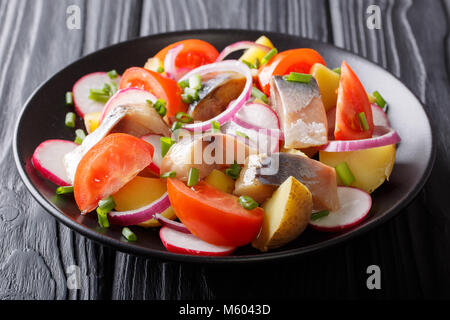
[[43, 118]]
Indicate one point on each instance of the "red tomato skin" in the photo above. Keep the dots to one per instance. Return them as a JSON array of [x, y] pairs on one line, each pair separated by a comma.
[[108, 166], [294, 60], [153, 82], [352, 100], [212, 215]]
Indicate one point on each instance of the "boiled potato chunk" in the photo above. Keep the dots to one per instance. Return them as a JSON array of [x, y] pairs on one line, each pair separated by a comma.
[[92, 121], [221, 181], [153, 64], [254, 53], [371, 167], [328, 82], [140, 192], [286, 215]]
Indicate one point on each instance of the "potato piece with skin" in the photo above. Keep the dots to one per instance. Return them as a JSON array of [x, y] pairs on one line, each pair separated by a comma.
[[92, 121], [221, 181], [371, 167], [328, 82], [255, 53], [286, 215]]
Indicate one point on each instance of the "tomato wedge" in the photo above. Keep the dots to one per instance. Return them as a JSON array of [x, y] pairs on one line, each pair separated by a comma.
[[195, 53], [162, 87], [108, 166], [295, 60], [352, 100], [213, 215]]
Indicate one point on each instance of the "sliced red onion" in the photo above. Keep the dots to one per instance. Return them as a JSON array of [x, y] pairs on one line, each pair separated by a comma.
[[169, 63], [235, 105], [382, 136], [148, 212], [171, 224], [240, 45]]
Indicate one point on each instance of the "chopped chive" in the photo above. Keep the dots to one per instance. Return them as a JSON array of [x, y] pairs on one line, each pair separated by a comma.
[[187, 98], [233, 171], [102, 218], [80, 136], [184, 84], [183, 117], [193, 93], [69, 98], [337, 70], [320, 214], [215, 126], [298, 77], [256, 64], [113, 74], [251, 66], [166, 143], [256, 93], [269, 56], [241, 134], [70, 119], [106, 205], [247, 202], [99, 95], [170, 174], [64, 190], [129, 235], [345, 174], [160, 107], [150, 103], [195, 82], [363, 121], [193, 177], [379, 99], [160, 69], [176, 125]]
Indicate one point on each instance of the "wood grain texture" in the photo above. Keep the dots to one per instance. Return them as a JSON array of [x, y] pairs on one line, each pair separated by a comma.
[[411, 249]]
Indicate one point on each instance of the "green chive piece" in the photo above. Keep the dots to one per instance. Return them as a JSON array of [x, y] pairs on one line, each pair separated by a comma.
[[363, 121], [345, 174], [176, 125], [269, 56], [160, 69], [320, 214], [113, 74], [70, 119], [160, 107], [298, 77], [129, 235], [233, 171], [193, 93], [337, 70], [149, 102], [80, 135], [215, 126], [69, 98], [106, 205], [170, 174], [241, 134], [166, 143], [64, 190], [187, 98], [99, 95], [102, 218], [184, 84], [380, 100], [256, 64], [256, 93], [248, 203], [183, 117], [251, 66], [195, 82], [193, 177]]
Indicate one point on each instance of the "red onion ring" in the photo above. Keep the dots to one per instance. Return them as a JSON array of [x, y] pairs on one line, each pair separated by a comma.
[[241, 45], [382, 136], [171, 224], [169, 63], [133, 217], [235, 105]]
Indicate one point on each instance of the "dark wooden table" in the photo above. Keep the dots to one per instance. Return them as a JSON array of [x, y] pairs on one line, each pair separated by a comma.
[[412, 249]]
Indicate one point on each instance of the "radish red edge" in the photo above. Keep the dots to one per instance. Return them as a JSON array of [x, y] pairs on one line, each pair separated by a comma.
[[48, 157], [355, 206], [179, 242], [155, 141]]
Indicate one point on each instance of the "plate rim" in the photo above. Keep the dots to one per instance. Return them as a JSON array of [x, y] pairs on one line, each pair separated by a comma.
[[169, 256]]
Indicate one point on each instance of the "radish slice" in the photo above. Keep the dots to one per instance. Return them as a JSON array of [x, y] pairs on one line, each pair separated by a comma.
[[48, 159], [379, 116], [180, 242], [355, 206], [81, 91], [178, 226], [235, 105], [148, 212], [240, 45], [127, 96], [155, 141]]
